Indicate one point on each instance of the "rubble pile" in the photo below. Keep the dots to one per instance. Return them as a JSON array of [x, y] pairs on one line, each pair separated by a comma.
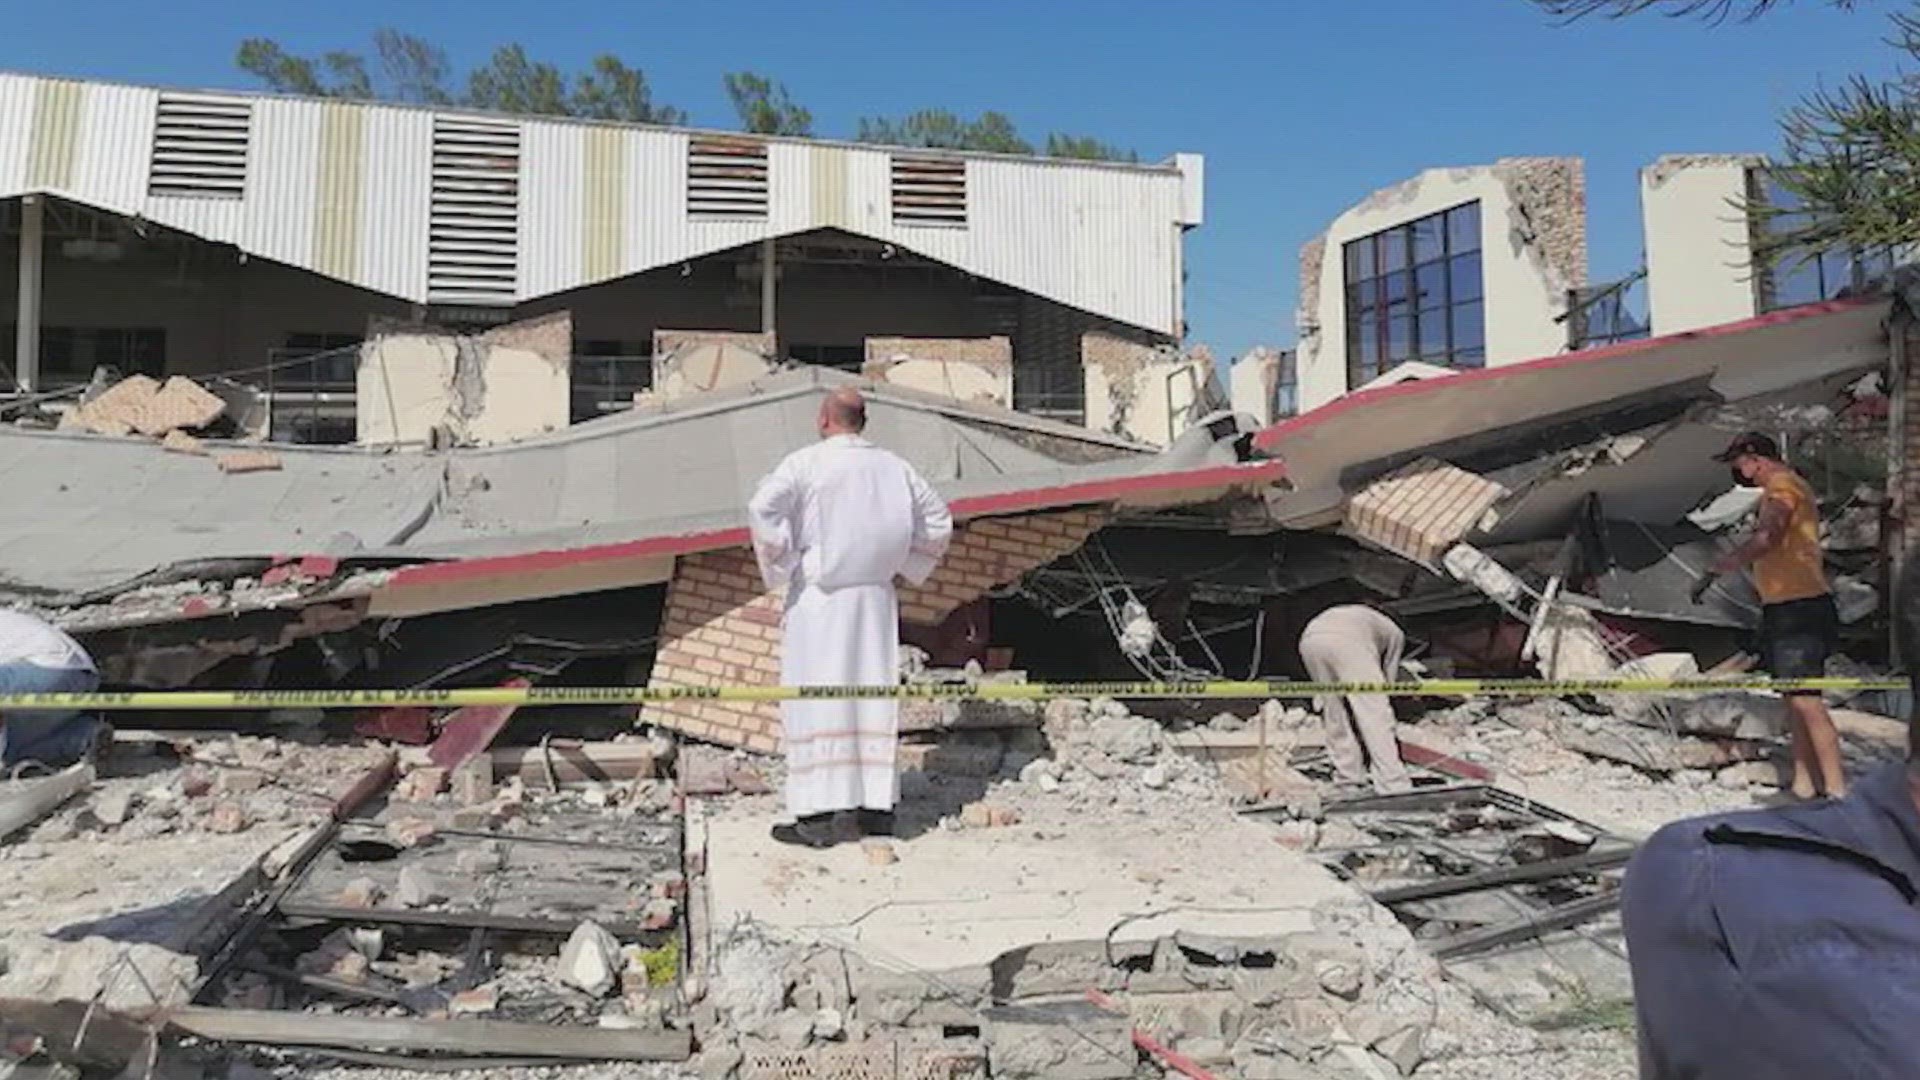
[[1349, 993]]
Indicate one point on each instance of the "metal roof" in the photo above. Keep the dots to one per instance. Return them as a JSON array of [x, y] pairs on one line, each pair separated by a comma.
[[375, 194], [91, 513]]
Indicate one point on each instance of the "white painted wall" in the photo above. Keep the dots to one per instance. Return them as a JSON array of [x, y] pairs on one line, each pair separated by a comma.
[[1699, 247], [1164, 396], [1251, 383], [1522, 295]]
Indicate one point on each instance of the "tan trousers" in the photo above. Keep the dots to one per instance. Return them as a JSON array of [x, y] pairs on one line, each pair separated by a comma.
[[1355, 644]]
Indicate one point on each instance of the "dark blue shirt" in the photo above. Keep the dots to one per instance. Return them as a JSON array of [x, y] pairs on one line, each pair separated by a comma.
[[1781, 943]]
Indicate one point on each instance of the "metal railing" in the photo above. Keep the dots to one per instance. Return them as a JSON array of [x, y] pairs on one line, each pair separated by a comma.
[[606, 384]]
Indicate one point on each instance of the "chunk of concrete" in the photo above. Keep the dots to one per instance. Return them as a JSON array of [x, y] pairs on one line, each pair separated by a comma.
[[951, 998], [113, 806], [1132, 739], [1067, 1040], [44, 969], [361, 893], [591, 960], [419, 887]]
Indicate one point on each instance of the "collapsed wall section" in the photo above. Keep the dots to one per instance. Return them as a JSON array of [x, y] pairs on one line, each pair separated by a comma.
[[722, 628]]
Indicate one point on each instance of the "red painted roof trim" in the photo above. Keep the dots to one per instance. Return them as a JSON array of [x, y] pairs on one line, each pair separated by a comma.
[[1305, 421], [1013, 502]]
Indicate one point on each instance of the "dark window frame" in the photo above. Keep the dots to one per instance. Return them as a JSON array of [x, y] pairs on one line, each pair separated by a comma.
[[1410, 293], [1781, 282]]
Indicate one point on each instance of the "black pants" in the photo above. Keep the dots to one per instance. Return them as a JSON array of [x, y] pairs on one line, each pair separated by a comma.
[[1797, 636]]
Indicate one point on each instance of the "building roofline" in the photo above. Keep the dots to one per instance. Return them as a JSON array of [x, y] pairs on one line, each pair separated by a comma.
[[1360, 399], [1020, 501], [1167, 167]]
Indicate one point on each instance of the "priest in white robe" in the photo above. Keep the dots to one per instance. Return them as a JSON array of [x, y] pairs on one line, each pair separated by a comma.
[[835, 524]]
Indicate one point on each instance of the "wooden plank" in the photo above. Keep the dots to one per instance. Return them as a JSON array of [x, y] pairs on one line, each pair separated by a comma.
[[457, 920], [470, 1037], [1589, 863], [575, 762], [471, 730]]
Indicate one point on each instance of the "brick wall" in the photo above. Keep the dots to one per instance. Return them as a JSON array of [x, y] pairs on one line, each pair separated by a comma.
[[722, 629], [992, 552]]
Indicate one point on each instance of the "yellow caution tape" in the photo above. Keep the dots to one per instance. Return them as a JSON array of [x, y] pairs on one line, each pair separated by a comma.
[[1285, 689]]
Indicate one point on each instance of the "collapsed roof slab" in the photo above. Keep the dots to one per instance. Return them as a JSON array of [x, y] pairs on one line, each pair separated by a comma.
[[1334, 451], [607, 504]]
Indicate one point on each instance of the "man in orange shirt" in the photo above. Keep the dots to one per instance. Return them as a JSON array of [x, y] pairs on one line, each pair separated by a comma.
[[1798, 621]]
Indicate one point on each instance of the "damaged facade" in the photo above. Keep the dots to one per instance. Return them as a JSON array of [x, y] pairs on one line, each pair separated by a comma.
[[1482, 266], [174, 233]]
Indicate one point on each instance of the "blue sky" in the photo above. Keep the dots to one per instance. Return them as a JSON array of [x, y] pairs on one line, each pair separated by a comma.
[[1301, 107]]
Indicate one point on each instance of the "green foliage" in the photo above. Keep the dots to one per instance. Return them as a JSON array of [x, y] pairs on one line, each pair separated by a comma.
[[991, 133], [1086, 148], [408, 69], [662, 964], [411, 70], [764, 107]]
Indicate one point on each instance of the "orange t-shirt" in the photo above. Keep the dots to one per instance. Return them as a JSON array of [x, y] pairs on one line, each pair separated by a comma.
[[1793, 570]]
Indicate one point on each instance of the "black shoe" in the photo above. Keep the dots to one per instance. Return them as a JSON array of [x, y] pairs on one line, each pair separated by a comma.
[[816, 831], [876, 823]]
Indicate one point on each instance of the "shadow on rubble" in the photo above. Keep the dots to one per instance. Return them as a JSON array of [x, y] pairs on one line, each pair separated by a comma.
[[159, 925], [926, 800]]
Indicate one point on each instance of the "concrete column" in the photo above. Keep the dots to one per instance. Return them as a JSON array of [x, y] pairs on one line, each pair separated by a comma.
[[26, 340], [767, 294]]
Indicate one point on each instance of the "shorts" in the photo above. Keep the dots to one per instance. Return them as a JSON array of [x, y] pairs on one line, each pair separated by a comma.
[[1797, 636]]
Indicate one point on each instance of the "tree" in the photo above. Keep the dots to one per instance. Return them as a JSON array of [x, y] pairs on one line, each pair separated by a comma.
[[1712, 10], [992, 133], [1086, 148], [409, 69], [764, 107]]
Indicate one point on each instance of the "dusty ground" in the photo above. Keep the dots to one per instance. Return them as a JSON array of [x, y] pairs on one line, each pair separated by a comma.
[[135, 856]]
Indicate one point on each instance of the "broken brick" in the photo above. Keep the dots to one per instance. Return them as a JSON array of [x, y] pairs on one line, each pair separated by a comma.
[[227, 817], [410, 832], [180, 442], [421, 785], [246, 461]]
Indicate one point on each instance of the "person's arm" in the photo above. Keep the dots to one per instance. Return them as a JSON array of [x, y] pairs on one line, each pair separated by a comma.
[[771, 517], [932, 530], [1775, 513]]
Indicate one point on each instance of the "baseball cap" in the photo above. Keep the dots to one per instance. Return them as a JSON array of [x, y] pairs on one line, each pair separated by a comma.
[[1750, 443]]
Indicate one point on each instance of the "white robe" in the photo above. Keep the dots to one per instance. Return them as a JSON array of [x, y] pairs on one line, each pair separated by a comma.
[[834, 524]]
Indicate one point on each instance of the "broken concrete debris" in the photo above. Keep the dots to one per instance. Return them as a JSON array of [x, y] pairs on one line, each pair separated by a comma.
[[591, 960]]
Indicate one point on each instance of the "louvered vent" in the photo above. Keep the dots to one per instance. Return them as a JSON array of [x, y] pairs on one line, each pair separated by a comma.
[[473, 240], [929, 191], [726, 178], [200, 147]]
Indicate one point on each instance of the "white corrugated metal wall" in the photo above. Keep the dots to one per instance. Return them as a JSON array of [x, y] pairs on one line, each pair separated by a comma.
[[1099, 238]]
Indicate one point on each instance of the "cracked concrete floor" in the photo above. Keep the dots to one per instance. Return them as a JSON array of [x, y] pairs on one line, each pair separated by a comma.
[[957, 899]]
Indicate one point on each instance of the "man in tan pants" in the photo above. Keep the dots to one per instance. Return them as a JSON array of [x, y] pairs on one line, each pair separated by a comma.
[[1353, 643]]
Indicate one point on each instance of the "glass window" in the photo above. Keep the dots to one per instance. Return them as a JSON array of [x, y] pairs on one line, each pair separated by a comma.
[[1469, 326], [1399, 338], [1463, 228], [1414, 291], [1360, 260], [1429, 239], [1433, 336], [1393, 250], [1394, 287], [1807, 277], [1463, 273], [1430, 286]]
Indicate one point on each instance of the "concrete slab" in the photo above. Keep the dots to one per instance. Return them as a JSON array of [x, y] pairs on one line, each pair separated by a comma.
[[960, 899]]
